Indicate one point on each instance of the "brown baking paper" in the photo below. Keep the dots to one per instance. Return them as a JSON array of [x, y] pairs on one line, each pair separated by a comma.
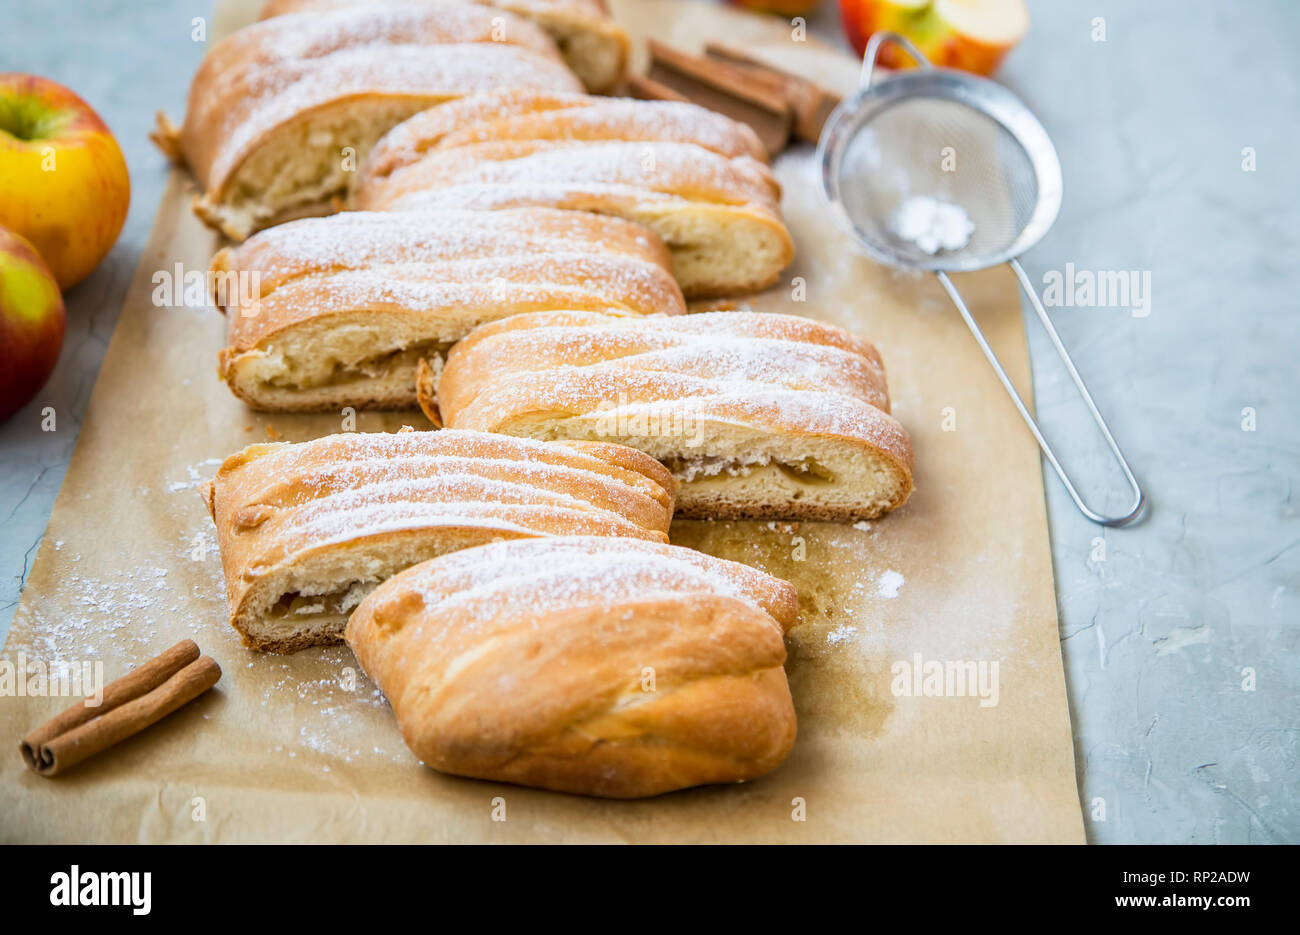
[[303, 748]]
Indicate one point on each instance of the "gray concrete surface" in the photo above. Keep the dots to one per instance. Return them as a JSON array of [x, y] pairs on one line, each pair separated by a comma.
[[1166, 627]]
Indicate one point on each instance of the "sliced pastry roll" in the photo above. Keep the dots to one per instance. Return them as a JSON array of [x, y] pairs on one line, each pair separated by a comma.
[[592, 44], [757, 415], [282, 111], [306, 530], [697, 178], [607, 667], [338, 311]]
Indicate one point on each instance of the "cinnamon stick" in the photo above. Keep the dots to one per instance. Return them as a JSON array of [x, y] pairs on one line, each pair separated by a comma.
[[758, 101], [810, 103], [646, 89], [140, 698]]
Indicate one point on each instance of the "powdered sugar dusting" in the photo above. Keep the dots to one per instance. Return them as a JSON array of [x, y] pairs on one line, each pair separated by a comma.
[[196, 475], [296, 499], [550, 172], [530, 577], [360, 240], [571, 119], [269, 73], [628, 120], [719, 364], [443, 268], [932, 225], [889, 584], [841, 634]]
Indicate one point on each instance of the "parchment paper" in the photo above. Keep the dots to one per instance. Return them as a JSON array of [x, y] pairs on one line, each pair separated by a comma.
[[282, 750]]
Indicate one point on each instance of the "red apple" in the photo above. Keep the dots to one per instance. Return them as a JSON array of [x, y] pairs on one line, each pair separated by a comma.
[[973, 35], [31, 322], [63, 182]]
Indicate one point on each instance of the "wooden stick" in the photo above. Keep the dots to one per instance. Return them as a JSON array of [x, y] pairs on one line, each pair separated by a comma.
[[130, 704]]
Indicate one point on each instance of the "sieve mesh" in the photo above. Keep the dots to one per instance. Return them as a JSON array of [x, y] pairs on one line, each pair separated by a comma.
[[961, 140], [942, 149]]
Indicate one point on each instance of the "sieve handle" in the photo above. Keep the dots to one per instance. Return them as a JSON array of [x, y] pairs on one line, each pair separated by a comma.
[[1138, 502], [872, 53]]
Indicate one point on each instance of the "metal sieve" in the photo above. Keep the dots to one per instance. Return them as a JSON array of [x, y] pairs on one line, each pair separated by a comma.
[[961, 140]]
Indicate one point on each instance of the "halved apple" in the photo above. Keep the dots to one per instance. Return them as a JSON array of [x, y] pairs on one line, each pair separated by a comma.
[[973, 35]]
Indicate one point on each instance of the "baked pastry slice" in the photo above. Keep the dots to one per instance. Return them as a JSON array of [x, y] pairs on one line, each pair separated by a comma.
[[282, 111], [533, 114], [697, 179], [305, 530], [593, 45], [606, 667], [339, 311], [758, 416]]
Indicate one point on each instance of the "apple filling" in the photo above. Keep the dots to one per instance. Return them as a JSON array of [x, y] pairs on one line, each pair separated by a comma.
[[297, 606], [592, 57], [804, 471], [331, 372]]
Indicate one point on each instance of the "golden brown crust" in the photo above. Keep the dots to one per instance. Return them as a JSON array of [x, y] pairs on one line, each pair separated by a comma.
[[402, 280], [357, 241], [305, 517], [288, 72], [409, 140], [705, 345], [626, 457], [696, 178], [528, 114], [703, 390], [560, 175], [633, 668], [594, 45]]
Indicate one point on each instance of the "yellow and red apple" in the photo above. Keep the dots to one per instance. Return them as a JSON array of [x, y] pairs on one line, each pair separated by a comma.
[[31, 322], [63, 182], [973, 35]]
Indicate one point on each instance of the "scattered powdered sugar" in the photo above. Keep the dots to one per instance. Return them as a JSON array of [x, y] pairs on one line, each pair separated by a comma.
[[197, 475], [334, 705], [128, 605], [841, 634], [889, 584], [932, 225]]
